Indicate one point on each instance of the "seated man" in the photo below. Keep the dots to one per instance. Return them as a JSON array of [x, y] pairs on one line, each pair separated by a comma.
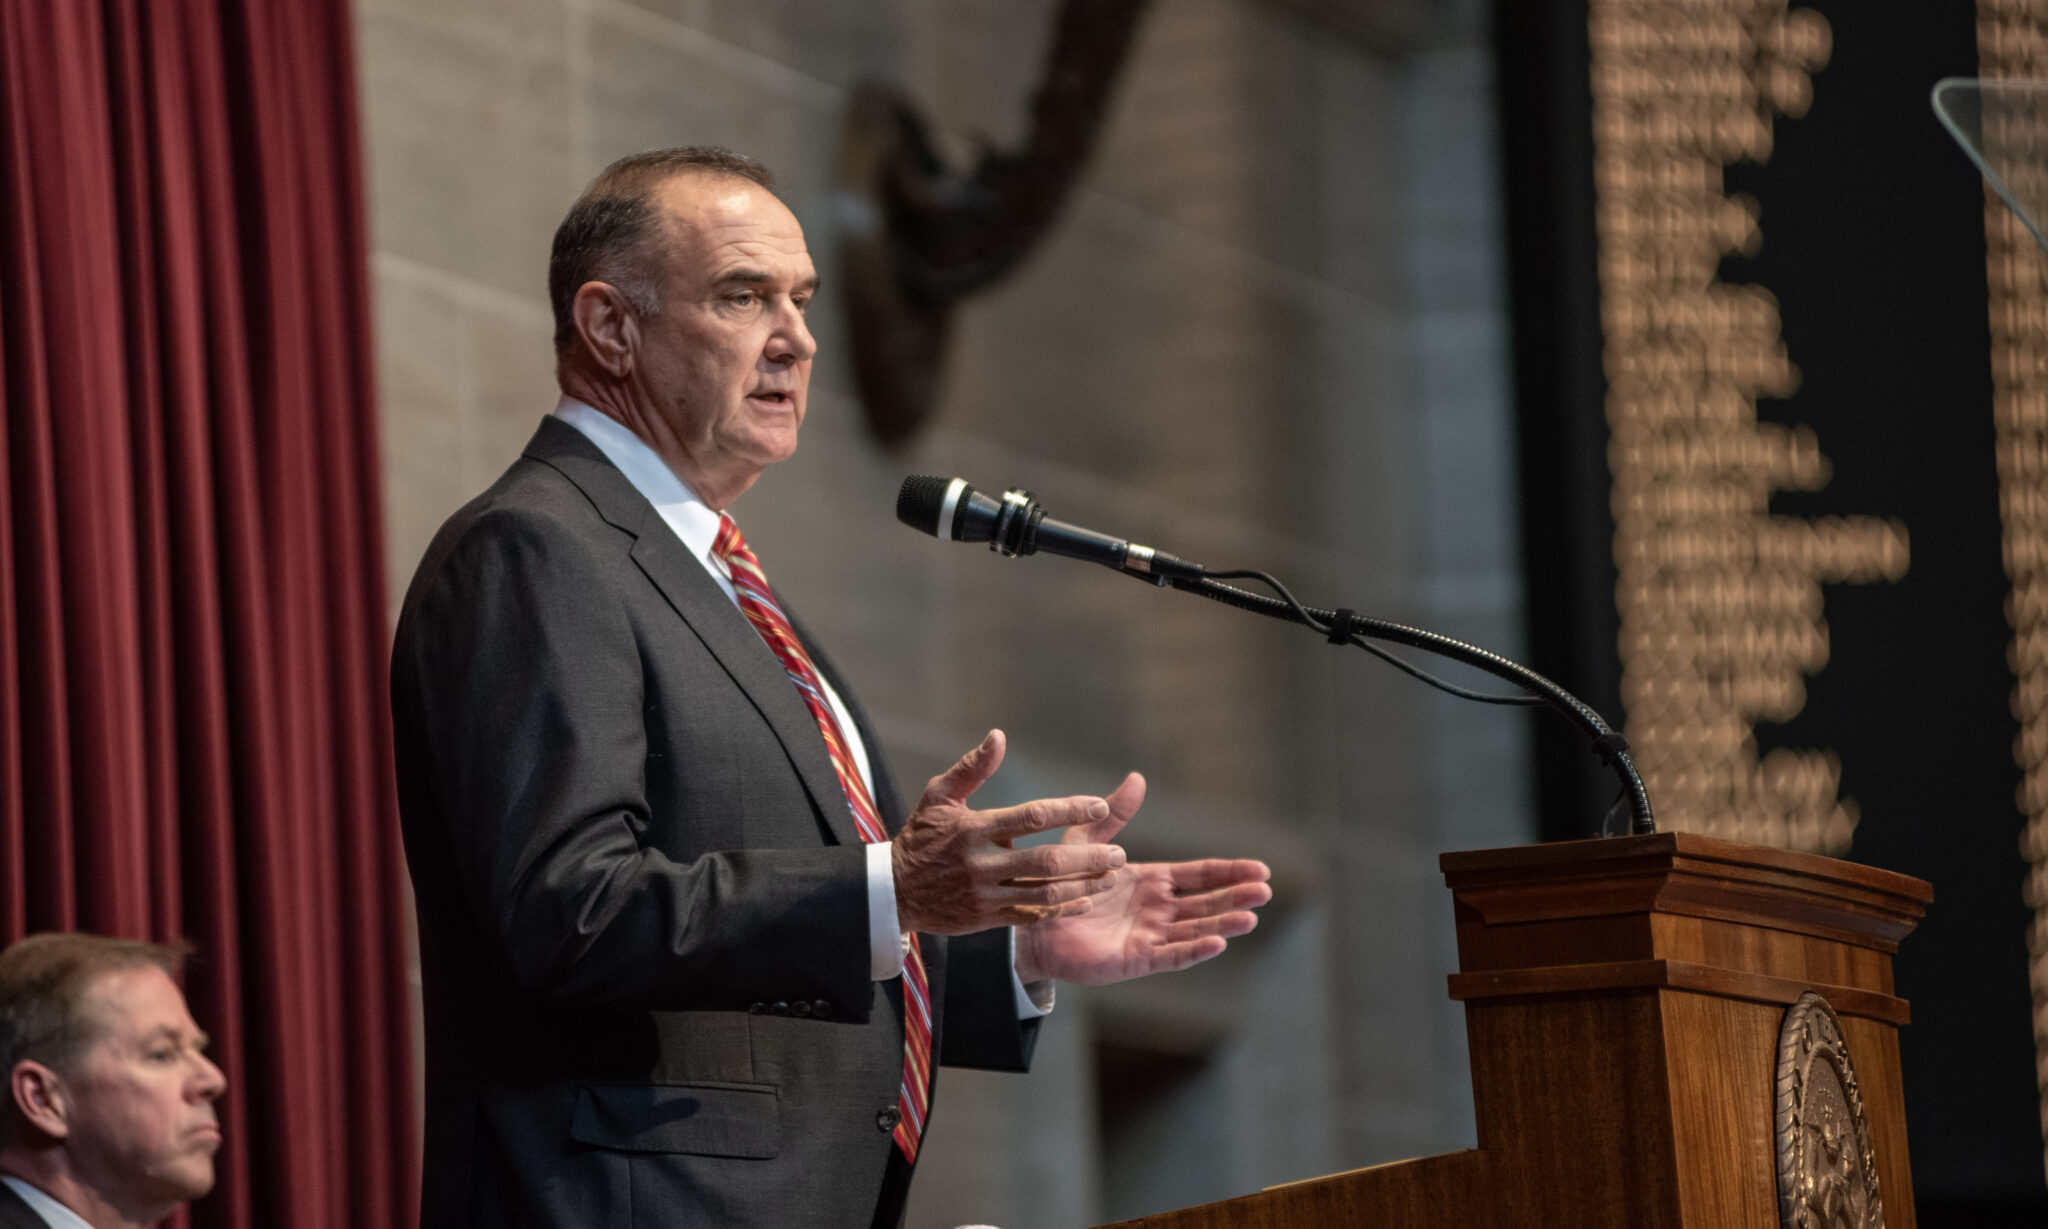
[[108, 1121]]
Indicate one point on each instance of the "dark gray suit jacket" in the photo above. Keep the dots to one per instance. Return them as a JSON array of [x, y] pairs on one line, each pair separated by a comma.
[[642, 901], [15, 1212]]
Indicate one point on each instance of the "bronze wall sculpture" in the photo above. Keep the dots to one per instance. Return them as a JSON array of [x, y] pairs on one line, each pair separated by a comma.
[[916, 236]]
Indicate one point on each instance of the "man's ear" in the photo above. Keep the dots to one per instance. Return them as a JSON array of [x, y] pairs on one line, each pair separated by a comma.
[[38, 1096], [609, 327]]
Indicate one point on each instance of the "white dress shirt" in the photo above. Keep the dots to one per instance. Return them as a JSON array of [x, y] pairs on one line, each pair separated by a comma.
[[696, 524], [56, 1214]]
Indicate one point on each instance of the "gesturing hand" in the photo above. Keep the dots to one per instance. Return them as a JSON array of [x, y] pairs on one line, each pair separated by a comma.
[[956, 872], [1147, 917]]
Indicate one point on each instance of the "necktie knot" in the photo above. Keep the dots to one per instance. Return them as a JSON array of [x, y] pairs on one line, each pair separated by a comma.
[[728, 542]]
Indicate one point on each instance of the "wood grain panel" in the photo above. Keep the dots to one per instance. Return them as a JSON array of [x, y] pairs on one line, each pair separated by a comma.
[[1874, 1048], [1622, 1003], [1680, 873], [1676, 975], [1570, 1098], [1437, 1190], [1722, 1056]]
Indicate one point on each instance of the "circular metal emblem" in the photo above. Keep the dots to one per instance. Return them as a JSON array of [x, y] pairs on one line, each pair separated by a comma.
[[1827, 1171]]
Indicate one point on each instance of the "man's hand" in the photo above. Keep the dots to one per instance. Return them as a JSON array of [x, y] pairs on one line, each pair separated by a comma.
[[1148, 917], [955, 870]]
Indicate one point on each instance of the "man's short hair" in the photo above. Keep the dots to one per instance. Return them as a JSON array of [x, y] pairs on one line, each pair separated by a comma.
[[44, 980], [607, 233]]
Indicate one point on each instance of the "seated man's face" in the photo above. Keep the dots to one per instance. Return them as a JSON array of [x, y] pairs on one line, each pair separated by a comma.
[[142, 1128]]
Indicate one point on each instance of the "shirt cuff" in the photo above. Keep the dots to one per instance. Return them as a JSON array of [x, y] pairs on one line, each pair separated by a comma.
[[887, 944], [1034, 1000], [886, 941]]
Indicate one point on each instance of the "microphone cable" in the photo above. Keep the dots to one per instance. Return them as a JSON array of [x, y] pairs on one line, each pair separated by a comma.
[[1327, 622]]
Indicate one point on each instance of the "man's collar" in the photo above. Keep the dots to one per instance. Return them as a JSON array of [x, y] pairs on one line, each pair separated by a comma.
[[691, 518], [59, 1216]]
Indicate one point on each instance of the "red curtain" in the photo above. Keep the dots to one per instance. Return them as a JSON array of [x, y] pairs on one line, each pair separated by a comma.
[[193, 736]]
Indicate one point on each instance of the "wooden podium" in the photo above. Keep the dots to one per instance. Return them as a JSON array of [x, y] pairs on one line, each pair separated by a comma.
[[1623, 1004]]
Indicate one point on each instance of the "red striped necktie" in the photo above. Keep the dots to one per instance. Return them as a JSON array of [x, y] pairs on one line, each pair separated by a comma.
[[757, 602]]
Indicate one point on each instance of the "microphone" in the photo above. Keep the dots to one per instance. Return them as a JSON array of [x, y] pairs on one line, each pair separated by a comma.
[[1015, 525]]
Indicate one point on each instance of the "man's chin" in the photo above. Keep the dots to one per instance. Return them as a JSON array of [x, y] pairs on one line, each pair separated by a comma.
[[773, 444], [193, 1176]]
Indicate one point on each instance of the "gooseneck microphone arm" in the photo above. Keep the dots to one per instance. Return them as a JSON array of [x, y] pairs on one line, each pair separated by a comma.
[[1016, 526], [1346, 627]]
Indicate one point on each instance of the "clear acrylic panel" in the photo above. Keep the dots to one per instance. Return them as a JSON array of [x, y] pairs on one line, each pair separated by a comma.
[[2003, 125]]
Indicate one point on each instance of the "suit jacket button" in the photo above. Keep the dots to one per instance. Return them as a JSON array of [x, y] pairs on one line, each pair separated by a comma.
[[780, 1009], [800, 1008], [888, 1119], [821, 1008], [755, 1009]]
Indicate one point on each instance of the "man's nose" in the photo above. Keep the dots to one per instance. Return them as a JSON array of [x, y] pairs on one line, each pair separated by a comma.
[[210, 1081], [792, 341]]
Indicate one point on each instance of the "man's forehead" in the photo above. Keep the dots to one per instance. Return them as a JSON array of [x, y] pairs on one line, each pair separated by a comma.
[[137, 1000], [731, 220]]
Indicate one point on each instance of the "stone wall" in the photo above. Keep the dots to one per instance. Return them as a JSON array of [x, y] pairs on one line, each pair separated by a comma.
[[1269, 332]]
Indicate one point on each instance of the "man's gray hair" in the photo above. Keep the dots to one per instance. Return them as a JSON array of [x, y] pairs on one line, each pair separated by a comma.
[[608, 231]]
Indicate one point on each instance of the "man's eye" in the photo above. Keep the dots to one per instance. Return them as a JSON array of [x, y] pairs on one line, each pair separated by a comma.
[[802, 302], [744, 298]]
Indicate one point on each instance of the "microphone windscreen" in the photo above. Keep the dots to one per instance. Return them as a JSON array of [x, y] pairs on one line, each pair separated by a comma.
[[919, 502]]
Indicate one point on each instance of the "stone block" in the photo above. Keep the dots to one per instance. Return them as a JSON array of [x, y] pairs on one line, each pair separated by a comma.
[[508, 369], [1355, 473], [419, 419], [1467, 449], [1241, 125], [1011, 1150], [651, 82], [835, 42], [1361, 164], [1185, 368], [1452, 188], [466, 132], [1287, 1012], [972, 65], [1389, 919]]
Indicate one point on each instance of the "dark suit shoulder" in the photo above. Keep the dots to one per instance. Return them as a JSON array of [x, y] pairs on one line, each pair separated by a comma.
[[560, 481], [532, 508], [15, 1212], [528, 489]]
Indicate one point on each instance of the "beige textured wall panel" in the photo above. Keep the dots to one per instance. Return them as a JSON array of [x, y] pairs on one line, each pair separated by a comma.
[[420, 439], [509, 381], [466, 132], [649, 82], [1267, 332]]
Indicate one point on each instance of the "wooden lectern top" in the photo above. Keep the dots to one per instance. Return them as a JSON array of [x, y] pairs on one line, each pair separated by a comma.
[[1681, 910], [1623, 1003], [1681, 873]]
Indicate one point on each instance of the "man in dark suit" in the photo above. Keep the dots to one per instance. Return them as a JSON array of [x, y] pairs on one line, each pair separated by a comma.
[[109, 1119], [686, 960]]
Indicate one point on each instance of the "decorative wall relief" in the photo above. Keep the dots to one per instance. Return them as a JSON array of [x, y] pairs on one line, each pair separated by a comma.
[[917, 236]]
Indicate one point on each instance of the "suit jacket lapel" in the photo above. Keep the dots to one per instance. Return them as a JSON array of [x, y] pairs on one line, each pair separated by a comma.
[[705, 609], [15, 1212]]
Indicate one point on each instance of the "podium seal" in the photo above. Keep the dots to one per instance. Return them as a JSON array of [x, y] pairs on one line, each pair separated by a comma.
[[1827, 1171]]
